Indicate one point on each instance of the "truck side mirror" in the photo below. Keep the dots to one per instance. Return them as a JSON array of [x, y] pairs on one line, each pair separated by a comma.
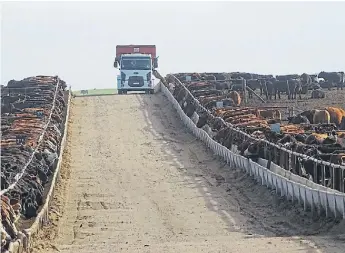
[[115, 64], [155, 62]]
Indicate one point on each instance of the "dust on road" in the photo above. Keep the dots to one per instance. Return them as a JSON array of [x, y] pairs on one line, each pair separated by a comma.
[[137, 181]]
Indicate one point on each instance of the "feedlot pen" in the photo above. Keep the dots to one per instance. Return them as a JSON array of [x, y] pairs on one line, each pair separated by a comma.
[[135, 180], [334, 97]]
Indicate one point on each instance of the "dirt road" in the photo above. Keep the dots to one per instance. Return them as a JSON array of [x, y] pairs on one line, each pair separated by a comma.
[[137, 181]]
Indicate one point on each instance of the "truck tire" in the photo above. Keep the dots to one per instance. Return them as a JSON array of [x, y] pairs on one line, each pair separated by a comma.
[[124, 91], [119, 92], [152, 91]]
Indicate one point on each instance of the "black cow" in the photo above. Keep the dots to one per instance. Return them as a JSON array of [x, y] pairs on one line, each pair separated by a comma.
[[333, 78], [298, 119], [290, 87], [254, 84], [204, 118], [222, 85], [306, 79], [240, 75], [190, 106], [252, 149], [207, 92], [268, 88], [287, 77]]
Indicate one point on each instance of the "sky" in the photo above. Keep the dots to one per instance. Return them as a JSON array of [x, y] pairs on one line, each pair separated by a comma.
[[77, 40]]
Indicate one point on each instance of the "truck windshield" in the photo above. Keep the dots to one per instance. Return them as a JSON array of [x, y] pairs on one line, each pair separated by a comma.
[[136, 63]]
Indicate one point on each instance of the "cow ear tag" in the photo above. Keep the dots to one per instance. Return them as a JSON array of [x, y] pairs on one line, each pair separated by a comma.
[[220, 104], [39, 114], [20, 139]]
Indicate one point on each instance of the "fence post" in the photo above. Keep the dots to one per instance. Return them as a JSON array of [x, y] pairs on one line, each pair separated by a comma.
[[333, 177], [342, 183], [244, 82], [323, 175], [315, 172], [290, 161], [276, 156], [337, 178]]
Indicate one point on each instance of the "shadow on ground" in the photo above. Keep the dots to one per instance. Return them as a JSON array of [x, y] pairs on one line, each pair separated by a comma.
[[241, 202]]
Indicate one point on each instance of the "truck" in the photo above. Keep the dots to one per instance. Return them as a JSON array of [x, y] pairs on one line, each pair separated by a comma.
[[136, 64]]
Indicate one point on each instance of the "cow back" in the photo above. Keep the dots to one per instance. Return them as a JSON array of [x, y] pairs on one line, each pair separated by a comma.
[[335, 115], [321, 117]]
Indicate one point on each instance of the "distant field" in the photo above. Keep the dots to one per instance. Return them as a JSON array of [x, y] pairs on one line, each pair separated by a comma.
[[96, 92]]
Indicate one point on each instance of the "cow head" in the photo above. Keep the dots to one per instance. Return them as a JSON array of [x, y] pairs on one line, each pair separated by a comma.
[[309, 114], [204, 117], [298, 119]]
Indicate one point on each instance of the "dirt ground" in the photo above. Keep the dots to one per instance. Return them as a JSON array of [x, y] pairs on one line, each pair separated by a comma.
[[335, 98], [134, 180]]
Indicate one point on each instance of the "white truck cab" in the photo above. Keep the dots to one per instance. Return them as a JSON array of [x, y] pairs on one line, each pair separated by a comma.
[[135, 69]]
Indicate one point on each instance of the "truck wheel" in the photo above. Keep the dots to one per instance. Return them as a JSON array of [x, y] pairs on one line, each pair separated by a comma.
[[152, 91], [147, 91], [119, 92], [124, 92]]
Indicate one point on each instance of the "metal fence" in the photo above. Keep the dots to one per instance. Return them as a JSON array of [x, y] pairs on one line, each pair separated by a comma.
[[286, 158], [25, 238], [331, 202], [39, 141]]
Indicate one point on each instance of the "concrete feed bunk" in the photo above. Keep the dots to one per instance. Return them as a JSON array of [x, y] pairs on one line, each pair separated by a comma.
[[311, 134]]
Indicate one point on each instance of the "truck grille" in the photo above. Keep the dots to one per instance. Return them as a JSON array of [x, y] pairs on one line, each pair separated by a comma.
[[135, 81]]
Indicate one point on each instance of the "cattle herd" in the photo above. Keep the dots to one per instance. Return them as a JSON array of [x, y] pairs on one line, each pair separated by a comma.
[[269, 86], [33, 113], [310, 144]]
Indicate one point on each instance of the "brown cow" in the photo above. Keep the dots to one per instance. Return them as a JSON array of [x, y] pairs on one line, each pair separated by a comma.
[[342, 111], [269, 114], [317, 116], [336, 115], [235, 96], [205, 100], [339, 179], [321, 116], [342, 124], [221, 112], [254, 122], [242, 118]]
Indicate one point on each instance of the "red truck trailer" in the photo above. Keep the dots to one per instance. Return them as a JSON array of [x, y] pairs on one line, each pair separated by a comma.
[[136, 49]]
